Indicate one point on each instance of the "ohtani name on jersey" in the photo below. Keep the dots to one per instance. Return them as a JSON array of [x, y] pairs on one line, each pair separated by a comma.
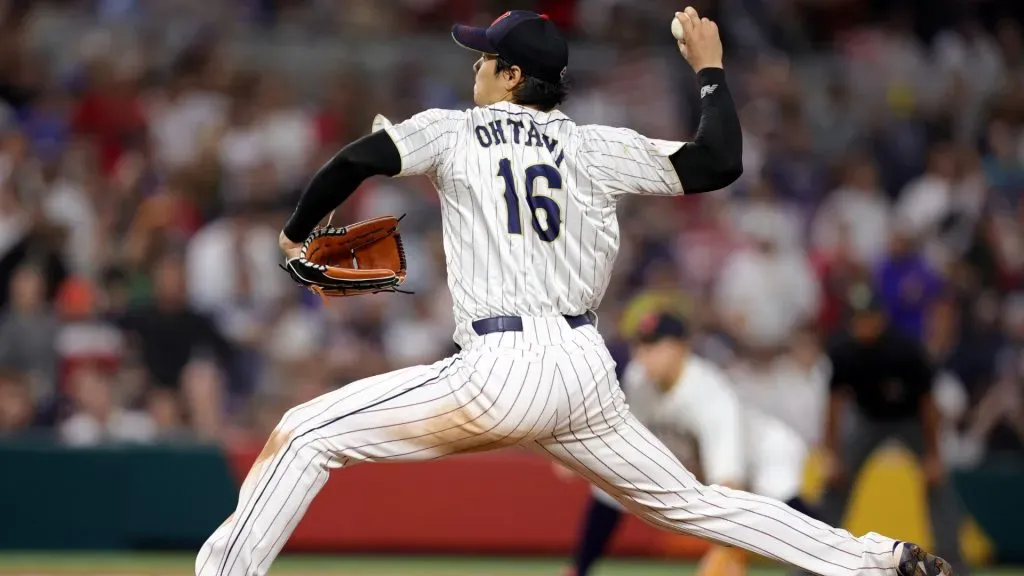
[[518, 132]]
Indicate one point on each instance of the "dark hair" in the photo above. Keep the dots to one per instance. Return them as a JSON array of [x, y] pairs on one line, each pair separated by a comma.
[[534, 92]]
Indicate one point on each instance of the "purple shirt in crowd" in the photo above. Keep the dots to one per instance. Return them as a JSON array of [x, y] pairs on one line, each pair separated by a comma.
[[909, 287]]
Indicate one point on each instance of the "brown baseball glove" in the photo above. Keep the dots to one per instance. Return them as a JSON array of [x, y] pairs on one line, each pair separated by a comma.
[[363, 258]]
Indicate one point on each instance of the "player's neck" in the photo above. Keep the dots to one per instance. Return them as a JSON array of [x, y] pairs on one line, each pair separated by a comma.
[[509, 100]]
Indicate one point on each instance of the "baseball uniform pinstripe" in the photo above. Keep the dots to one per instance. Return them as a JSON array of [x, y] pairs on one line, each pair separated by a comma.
[[738, 444], [530, 230]]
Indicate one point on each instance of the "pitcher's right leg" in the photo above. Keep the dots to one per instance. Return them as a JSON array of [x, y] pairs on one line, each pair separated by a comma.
[[301, 451], [417, 413]]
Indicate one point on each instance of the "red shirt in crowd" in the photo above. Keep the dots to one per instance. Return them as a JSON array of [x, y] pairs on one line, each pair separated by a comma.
[[111, 119]]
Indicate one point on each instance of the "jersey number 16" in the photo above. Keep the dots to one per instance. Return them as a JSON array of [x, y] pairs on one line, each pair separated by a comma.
[[552, 211]]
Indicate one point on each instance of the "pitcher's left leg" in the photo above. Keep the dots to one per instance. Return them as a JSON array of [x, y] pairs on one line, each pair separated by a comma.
[[628, 462]]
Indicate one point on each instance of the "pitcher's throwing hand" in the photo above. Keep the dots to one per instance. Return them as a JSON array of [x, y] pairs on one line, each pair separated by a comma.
[[701, 44]]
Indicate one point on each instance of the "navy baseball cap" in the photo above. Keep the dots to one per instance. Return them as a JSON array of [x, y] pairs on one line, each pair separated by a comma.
[[658, 326], [523, 38]]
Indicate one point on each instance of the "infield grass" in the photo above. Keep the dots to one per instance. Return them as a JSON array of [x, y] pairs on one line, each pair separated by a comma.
[[124, 564]]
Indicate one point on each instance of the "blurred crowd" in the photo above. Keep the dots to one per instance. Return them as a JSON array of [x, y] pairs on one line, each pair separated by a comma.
[[150, 150]]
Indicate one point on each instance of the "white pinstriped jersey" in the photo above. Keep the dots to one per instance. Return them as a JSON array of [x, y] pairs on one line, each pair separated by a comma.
[[528, 203]]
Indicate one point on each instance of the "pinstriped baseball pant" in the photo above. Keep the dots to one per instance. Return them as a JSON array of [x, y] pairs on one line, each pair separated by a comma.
[[549, 388]]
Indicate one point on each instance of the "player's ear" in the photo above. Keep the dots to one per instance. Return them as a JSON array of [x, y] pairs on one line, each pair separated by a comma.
[[513, 76]]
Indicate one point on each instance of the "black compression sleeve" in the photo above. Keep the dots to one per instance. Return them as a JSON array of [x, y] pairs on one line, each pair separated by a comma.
[[371, 155], [715, 157]]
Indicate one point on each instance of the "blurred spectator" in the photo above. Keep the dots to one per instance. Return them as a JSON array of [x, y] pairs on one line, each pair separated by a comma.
[[634, 89], [857, 212], [297, 335], [66, 204], [241, 145], [98, 415], [896, 68], [205, 399], [14, 225], [791, 387], [334, 123], [353, 338], [967, 57], [182, 114], [28, 333], [837, 272], [19, 80], [925, 201], [46, 124], [836, 120], [85, 337], [908, 287], [766, 212], [17, 412], [1010, 38], [793, 167], [767, 291], [416, 337], [171, 336], [705, 242], [110, 110], [952, 237], [117, 10], [593, 99], [287, 131], [166, 411], [981, 339], [951, 400], [162, 221], [900, 143], [26, 237], [231, 263], [755, 123], [233, 275], [1004, 161], [998, 418]]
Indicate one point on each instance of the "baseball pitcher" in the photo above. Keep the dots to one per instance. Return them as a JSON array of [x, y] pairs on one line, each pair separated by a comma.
[[530, 236]]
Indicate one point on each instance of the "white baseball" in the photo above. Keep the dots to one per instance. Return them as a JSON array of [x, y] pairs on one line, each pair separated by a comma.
[[677, 30], [380, 123]]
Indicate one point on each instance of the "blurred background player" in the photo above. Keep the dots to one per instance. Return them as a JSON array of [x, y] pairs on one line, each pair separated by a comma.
[[684, 399], [888, 376]]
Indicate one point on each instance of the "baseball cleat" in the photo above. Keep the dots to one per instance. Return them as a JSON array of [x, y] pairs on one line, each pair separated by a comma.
[[912, 560]]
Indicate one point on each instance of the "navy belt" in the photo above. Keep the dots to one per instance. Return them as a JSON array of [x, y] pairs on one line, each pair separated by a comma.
[[515, 323]]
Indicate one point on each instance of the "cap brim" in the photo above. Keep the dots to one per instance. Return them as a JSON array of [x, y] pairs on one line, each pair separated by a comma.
[[473, 38]]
